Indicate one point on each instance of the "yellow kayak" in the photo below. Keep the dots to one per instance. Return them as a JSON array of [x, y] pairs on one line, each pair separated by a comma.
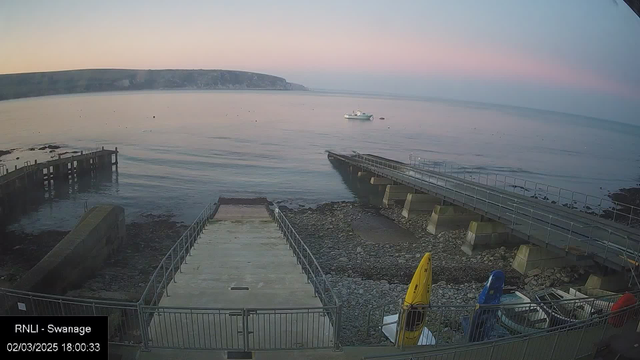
[[417, 298]]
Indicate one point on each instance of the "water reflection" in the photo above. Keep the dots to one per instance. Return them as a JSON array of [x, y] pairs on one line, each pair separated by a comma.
[[22, 203], [360, 187]]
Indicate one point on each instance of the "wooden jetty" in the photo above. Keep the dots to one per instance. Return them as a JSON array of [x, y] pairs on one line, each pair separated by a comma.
[[63, 169]]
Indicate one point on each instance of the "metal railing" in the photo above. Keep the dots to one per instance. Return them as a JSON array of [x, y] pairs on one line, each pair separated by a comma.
[[147, 324], [460, 324], [306, 260], [569, 341], [311, 268], [547, 228], [124, 319], [594, 205], [243, 329], [172, 262]]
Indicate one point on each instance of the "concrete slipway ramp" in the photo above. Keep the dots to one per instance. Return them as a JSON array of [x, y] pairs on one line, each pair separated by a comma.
[[241, 289]]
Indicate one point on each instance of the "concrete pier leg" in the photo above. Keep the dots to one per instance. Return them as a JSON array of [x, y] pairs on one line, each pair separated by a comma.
[[531, 257], [396, 193], [445, 218], [381, 181], [486, 235], [419, 204], [610, 282], [365, 175]]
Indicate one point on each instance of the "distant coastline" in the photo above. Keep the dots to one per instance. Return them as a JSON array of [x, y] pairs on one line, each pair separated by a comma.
[[25, 85]]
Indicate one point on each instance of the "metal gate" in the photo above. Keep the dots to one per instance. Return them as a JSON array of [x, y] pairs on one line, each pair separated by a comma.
[[239, 329]]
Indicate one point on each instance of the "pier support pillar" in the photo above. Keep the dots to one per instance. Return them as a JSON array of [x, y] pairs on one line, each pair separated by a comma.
[[611, 282], [487, 235], [419, 204], [365, 175], [445, 218], [531, 257], [396, 193], [381, 181]]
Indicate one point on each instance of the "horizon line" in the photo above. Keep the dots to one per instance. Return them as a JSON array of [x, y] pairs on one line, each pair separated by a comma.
[[427, 97]]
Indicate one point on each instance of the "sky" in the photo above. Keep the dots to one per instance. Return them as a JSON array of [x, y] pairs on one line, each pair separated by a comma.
[[574, 56]]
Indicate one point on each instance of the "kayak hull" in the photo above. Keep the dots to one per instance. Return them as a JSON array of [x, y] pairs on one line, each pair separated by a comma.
[[413, 315]]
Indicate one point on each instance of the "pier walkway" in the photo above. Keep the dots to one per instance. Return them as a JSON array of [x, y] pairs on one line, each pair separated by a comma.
[[15, 184], [579, 236]]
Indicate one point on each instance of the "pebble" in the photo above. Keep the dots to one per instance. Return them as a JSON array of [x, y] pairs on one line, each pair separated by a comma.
[[371, 279]]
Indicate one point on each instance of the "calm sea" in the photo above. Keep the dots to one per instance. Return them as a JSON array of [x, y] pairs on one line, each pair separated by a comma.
[[204, 144]]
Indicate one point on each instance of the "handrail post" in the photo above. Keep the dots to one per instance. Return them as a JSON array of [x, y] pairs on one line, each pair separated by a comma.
[[173, 266], [575, 354], [555, 344], [569, 237], [245, 330], [337, 327], [143, 328], [164, 280]]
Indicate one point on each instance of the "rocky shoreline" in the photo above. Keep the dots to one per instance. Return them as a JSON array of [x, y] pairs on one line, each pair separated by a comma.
[[122, 277], [371, 279]]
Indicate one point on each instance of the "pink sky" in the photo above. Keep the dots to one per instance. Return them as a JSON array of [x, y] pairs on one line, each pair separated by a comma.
[[540, 46], [280, 50]]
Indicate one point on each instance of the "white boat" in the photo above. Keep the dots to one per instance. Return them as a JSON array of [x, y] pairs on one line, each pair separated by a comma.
[[522, 316], [358, 115], [603, 301], [563, 308], [390, 328]]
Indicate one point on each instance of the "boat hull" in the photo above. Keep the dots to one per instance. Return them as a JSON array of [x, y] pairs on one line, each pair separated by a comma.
[[358, 117], [563, 312], [523, 317], [413, 310], [484, 320]]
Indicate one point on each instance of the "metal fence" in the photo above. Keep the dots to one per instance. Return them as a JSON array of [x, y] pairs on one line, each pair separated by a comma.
[[242, 329], [305, 259], [124, 319], [172, 262], [569, 341], [315, 275], [595, 205], [613, 248], [450, 325]]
